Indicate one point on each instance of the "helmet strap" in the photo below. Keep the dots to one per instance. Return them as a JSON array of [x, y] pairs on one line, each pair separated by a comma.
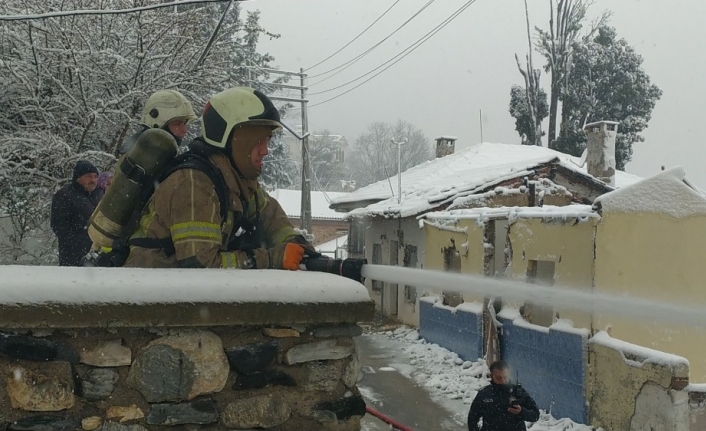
[[228, 150]]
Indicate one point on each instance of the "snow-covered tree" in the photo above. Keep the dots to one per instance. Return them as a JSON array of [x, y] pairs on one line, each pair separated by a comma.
[[326, 159], [607, 83], [24, 231], [279, 171], [74, 86], [374, 156]]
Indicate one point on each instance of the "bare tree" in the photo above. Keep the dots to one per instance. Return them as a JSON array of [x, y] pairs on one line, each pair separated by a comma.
[[374, 157], [327, 160], [556, 45], [531, 77]]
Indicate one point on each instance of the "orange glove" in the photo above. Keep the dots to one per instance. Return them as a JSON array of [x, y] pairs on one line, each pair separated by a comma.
[[286, 256]]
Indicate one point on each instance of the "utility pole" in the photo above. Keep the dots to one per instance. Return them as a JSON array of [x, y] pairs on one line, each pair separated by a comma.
[[304, 137], [306, 181], [399, 168], [480, 120]]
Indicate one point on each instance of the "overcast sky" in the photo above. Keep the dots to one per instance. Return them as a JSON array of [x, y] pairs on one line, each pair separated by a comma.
[[469, 66]]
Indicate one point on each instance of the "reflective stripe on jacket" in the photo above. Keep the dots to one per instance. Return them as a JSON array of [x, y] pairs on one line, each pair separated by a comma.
[[185, 207]]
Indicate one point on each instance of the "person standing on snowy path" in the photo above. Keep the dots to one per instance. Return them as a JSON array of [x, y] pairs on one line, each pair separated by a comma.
[[502, 406]]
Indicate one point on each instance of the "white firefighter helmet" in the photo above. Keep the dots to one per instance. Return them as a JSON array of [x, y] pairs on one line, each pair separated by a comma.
[[236, 106], [165, 106]]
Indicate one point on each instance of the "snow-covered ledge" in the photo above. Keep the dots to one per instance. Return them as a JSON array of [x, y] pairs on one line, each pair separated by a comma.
[[53, 297], [107, 348]]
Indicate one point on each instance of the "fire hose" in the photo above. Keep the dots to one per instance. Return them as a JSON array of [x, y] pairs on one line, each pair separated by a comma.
[[349, 268], [388, 420]]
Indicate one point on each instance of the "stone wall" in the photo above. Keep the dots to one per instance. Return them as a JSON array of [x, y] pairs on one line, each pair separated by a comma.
[[227, 378], [635, 388], [697, 407], [212, 369]]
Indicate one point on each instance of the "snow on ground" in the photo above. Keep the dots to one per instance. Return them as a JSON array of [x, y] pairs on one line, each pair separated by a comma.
[[452, 382]]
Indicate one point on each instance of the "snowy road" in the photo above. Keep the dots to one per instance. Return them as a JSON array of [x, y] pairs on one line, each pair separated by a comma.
[[424, 386], [386, 384]]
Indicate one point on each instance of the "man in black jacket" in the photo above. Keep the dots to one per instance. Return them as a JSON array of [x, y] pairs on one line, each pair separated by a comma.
[[71, 208], [502, 406]]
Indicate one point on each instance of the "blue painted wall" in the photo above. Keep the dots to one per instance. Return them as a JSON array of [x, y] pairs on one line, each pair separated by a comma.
[[551, 366], [460, 332]]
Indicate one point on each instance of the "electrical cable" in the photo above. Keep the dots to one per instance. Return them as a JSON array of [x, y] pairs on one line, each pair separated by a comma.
[[355, 59], [355, 38], [409, 50]]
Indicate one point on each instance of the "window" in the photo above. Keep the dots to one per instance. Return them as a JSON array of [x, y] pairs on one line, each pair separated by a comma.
[[410, 261], [539, 272], [500, 246], [377, 260], [452, 263], [356, 242], [393, 298]]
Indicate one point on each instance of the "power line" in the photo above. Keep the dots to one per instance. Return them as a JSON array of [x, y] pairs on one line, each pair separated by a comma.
[[355, 38], [355, 59], [409, 50], [105, 11], [412, 47]]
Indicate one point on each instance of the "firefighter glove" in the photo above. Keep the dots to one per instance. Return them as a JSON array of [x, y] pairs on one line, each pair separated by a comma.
[[286, 256]]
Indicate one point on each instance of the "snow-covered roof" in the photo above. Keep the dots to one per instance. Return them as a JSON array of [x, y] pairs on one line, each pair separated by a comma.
[[470, 170], [582, 212], [667, 192], [291, 201], [329, 248]]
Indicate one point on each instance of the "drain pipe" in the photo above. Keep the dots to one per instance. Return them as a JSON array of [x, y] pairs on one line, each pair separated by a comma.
[[388, 420]]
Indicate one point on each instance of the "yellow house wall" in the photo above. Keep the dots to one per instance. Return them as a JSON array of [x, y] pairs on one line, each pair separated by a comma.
[[471, 262], [616, 391], [657, 257], [569, 246]]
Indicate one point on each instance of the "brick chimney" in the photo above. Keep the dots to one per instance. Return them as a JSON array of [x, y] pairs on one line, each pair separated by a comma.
[[600, 150], [445, 145]]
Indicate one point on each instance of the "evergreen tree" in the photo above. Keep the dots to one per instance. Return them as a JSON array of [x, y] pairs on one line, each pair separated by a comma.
[[520, 112], [607, 83]]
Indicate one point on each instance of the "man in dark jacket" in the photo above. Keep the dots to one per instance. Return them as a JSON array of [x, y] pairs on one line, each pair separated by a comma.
[[71, 208], [502, 406]]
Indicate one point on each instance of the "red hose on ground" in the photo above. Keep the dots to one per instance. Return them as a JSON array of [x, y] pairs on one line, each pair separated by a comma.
[[387, 419]]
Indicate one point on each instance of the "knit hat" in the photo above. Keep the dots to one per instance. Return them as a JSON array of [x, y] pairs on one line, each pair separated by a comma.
[[103, 178], [83, 167]]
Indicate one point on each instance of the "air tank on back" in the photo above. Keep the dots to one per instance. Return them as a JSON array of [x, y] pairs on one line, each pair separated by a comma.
[[136, 172]]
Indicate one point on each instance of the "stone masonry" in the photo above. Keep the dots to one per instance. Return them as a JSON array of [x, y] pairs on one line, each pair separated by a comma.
[[116, 349], [284, 377]]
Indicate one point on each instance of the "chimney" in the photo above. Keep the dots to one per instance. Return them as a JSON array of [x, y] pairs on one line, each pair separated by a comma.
[[445, 145], [600, 150]]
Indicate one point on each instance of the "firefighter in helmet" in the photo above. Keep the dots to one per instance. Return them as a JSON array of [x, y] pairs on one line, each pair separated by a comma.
[[182, 225], [165, 109]]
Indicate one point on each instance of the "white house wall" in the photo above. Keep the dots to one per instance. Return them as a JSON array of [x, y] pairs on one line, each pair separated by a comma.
[[385, 232]]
